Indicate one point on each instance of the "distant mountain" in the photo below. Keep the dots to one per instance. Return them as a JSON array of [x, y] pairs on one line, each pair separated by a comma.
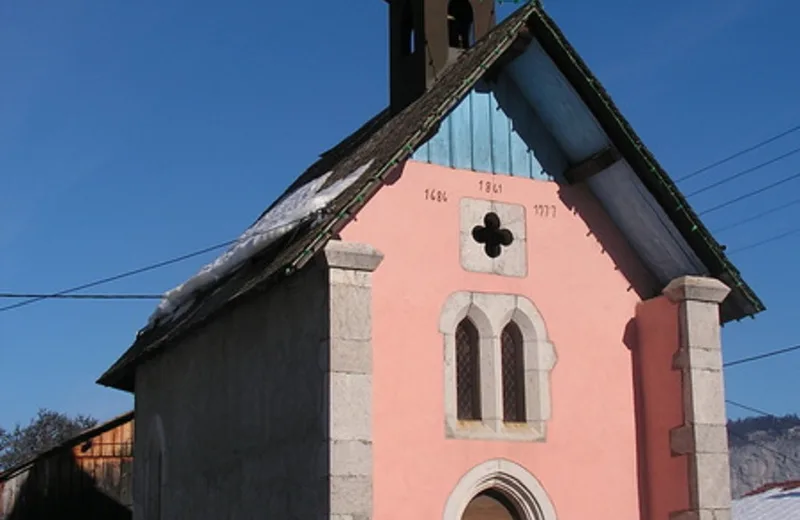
[[763, 450]]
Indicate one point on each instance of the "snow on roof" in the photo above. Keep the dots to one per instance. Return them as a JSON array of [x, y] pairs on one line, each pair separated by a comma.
[[301, 205], [773, 502]]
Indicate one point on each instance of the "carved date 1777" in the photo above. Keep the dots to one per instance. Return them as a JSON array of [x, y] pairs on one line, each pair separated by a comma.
[[544, 210]]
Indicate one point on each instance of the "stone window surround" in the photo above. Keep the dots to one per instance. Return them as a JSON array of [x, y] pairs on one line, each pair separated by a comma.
[[513, 260], [490, 313], [510, 479]]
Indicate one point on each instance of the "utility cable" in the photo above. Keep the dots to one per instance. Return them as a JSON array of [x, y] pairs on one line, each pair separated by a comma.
[[759, 357], [757, 216], [151, 267], [750, 194], [756, 443], [739, 154], [114, 278], [83, 296], [744, 172], [769, 240], [748, 408]]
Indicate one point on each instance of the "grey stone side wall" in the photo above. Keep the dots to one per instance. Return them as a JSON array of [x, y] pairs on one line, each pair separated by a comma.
[[243, 405], [703, 436], [267, 411]]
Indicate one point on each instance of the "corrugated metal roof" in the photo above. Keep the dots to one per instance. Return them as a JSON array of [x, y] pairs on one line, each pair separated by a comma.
[[773, 502]]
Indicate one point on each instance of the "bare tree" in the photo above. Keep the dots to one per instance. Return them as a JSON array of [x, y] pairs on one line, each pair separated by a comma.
[[47, 430]]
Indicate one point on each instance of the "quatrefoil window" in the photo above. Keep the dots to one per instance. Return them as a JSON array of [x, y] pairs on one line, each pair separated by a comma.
[[492, 235]]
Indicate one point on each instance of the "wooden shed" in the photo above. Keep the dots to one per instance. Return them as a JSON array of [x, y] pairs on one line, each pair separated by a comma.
[[87, 477]]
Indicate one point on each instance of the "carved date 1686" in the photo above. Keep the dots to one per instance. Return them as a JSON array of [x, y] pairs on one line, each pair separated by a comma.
[[436, 195]]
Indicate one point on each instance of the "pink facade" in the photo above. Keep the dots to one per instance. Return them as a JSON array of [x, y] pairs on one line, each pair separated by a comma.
[[584, 290], [661, 391]]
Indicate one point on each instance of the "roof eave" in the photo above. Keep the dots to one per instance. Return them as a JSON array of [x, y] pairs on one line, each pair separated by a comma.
[[743, 301], [117, 379]]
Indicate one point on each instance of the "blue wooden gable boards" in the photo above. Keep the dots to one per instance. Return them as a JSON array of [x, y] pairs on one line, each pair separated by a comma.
[[495, 128], [529, 123]]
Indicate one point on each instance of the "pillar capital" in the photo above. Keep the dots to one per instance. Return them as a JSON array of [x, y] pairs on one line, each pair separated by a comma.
[[352, 256], [696, 288]]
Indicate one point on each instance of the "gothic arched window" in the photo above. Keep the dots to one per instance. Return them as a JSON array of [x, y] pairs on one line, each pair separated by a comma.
[[468, 371], [513, 373], [459, 23]]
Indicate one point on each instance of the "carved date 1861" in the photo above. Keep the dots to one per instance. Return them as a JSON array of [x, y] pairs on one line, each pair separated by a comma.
[[436, 195], [490, 187]]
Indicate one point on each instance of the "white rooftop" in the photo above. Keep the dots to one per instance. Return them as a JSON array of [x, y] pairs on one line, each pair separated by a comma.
[[774, 502]]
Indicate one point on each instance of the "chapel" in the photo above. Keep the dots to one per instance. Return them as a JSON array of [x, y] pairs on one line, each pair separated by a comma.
[[489, 302]]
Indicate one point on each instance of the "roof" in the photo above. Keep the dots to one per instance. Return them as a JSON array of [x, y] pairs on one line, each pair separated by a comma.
[[69, 443], [770, 502], [388, 140]]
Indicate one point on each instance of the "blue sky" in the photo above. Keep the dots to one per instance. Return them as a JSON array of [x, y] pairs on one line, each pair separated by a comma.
[[129, 135]]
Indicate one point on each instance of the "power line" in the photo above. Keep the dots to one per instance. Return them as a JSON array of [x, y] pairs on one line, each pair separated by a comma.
[[151, 267], [744, 172], [114, 278], [83, 296], [757, 216], [738, 154], [750, 194], [765, 241], [748, 408], [761, 356]]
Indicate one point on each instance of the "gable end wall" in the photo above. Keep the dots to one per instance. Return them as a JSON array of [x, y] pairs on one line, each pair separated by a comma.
[[241, 405]]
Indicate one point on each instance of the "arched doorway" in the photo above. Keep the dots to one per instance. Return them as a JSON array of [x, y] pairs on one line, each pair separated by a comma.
[[498, 489], [491, 505]]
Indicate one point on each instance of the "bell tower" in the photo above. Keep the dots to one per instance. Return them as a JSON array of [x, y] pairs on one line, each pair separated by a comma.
[[425, 36]]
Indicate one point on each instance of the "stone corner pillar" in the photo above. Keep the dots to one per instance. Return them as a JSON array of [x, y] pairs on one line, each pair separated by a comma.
[[703, 435], [346, 359]]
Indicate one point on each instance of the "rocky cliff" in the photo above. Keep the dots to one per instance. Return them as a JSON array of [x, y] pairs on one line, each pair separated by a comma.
[[763, 450]]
